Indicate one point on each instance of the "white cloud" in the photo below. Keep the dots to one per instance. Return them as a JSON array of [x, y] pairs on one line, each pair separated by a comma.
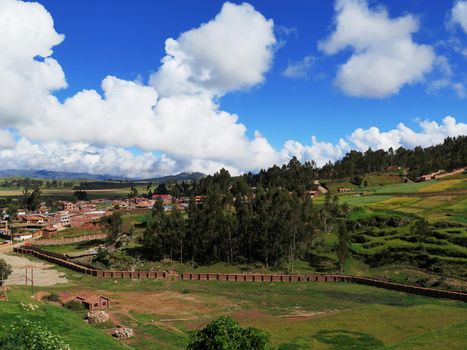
[[459, 14], [81, 157], [230, 52], [384, 58], [7, 139], [445, 79], [176, 114], [430, 133], [299, 69], [117, 161], [27, 72]]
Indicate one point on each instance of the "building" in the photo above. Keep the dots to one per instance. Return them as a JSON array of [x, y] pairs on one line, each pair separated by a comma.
[[79, 220], [69, 206], [59, 219], [450, 173], [165, 198], [49, 232], [90, 301], [312, 194], [4, 230], [344, 189], [393, 168]]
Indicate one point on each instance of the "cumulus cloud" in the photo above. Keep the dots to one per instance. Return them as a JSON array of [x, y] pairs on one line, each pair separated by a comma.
[[230, 52], [299, 69], [175, 114], [384, 58], [27, 72], [459, 14], [430, 133], [117, 161], [7, 139]]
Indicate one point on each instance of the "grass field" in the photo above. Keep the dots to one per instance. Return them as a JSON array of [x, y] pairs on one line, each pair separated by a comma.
[[297, 315]]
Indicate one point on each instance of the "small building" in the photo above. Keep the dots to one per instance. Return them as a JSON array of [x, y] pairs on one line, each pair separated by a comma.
[[90, 301], [393, 168], [49, 231], [69, 206], [165, 198], [312, 194], [344, 189], [4, 230]]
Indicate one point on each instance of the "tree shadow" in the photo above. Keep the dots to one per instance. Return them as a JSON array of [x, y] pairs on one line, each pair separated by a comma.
[[347, 340]]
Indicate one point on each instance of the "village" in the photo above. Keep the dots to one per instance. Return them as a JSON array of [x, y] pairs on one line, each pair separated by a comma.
[[84, 214]]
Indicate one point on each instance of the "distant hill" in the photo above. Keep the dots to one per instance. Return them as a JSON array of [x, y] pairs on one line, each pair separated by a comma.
[[63, 175], [55, 175], [186, 176]]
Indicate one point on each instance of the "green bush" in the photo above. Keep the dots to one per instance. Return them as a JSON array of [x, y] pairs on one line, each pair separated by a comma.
[[5, 270], [226, 333], [74, 305], [52, 297], [27, 335]]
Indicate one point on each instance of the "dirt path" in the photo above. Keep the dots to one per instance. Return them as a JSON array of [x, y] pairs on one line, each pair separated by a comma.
[[44, 274]]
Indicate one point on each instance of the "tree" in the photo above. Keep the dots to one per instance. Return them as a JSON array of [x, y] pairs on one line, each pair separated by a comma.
[[80, 195], [343, 245], [5, 270], [32, 200], [113, 226], [12, 210], [225, 333], [133, 192]]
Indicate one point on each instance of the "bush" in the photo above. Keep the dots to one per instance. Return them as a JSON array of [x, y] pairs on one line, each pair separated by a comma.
[[27, 335], [5, 270], [74, 305], [52, 297], [226, 333]]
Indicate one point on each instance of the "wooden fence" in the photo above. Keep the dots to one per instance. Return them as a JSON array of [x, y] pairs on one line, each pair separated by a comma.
[[240, 277]]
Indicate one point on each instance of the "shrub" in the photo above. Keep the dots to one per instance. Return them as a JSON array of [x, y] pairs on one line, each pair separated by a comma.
[[74, 305], [226, 333], [26, 335], [5, 270], [52, 297]]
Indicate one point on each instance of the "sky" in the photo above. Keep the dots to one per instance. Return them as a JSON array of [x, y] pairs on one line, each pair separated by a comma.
[[146, 88]]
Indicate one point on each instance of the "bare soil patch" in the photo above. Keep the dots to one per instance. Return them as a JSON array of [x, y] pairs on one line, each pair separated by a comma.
[[172, 304], [44, 274]]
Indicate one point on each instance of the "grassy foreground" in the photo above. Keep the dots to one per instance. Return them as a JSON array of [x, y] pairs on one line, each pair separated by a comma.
[[298, 315]]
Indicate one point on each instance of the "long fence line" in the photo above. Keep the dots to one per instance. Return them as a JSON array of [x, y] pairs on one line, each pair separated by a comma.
[[70, 240], [240, 277]]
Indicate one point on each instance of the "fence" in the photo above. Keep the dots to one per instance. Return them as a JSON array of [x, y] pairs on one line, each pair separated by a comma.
[[70, 240], [241, 277]]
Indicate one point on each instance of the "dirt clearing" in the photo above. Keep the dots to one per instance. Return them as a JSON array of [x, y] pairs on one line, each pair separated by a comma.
[[44, 274]]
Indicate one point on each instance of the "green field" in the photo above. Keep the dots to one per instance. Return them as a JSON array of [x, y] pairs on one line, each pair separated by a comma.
[[298, 315]]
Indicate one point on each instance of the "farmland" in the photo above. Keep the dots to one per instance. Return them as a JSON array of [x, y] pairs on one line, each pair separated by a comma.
[[297, 315]]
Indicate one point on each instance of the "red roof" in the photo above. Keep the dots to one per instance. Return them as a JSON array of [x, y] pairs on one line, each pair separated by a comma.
[[161, 196]]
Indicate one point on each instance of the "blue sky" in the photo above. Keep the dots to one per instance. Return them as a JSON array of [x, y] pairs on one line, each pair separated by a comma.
[[126, 39]]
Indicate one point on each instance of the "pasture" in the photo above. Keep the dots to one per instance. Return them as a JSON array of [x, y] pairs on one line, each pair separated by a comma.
[[297, 315]]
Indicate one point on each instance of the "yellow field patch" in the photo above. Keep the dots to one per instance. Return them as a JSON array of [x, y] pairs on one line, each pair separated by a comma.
[[434, 201], [441, 185], [461, 206], [396, 202]]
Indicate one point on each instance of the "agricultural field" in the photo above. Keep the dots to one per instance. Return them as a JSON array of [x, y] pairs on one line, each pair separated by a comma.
[[103, 189], [297, 315]]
